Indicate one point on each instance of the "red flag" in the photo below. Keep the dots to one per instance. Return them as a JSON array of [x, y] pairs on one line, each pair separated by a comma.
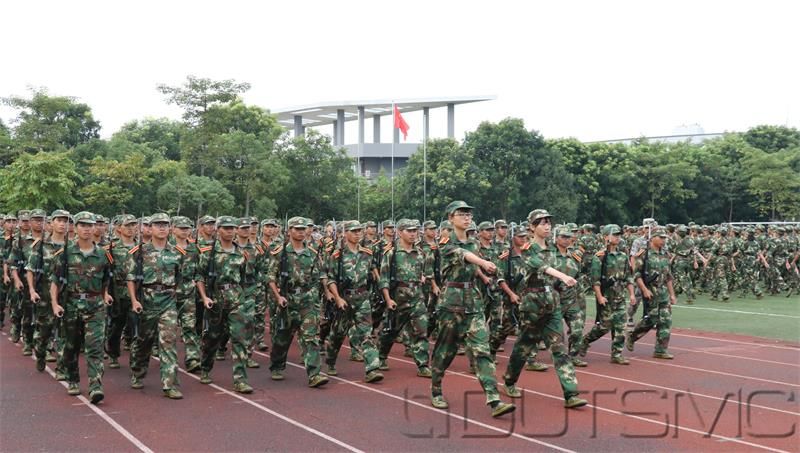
[[400, 123]]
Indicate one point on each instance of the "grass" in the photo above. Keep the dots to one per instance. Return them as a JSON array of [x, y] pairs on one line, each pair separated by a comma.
[[753, 323]]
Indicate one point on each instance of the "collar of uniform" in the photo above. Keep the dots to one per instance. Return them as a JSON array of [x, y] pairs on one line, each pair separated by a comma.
[[235, 250], [290, 248], [74, 248]]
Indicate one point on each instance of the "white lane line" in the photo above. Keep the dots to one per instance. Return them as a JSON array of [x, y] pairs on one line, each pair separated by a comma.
[[424, 406], [125, 433], [700, 351], [687, 392], [338, 442], [774, 346], [612, 411], [777, 315]]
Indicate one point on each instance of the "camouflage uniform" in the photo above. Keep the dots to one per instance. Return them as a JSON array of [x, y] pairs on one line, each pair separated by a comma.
[[460, 314], [84, 311], [683, 266], [119, 315], [6, 241], [301, 315], [230, 313], [658, 312], [510, 271], [352, 286], [161, 274], [22, 316], [186, 293], [723, 249], [409, 270], [263, 295], [572, 299], [612, 316], [541, 319]]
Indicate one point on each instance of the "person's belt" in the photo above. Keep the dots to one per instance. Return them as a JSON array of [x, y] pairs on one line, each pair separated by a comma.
[[536, 289], [86, 295], [412, 285], [460, 285], [159, 288], [355, 291], [228, 286]]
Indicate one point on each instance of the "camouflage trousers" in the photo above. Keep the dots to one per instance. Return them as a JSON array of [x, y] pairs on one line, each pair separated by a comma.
[[453, 330], [21, 313], [411, 316], [719, 285], [546, 326], [658, 316], [260, 320], [3, 299], [502, 325], [682, 275], [117, 322], [83, 323], [187, 320], [356, 323], [752, 271], [159, 319], [574, 314], [612, 317], [301, 316], [230, 317], [45, 323]]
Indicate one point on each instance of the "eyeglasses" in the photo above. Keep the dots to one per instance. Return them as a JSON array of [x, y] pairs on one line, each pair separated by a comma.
[[463, 214]]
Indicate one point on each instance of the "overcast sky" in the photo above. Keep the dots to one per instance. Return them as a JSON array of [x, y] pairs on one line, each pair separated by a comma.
[[593, 70]]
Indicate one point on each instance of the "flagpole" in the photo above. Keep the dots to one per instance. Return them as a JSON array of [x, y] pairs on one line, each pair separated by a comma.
[[424, 170], [394, 126]]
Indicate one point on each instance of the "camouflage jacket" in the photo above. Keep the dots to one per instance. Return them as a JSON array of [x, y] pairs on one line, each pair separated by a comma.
[[569, 263], [119, 252], [456, 270], [408, 267], [618, 273], [229, 265], [304, 267], [86, 273], [41, 260], [355, 269], [685, 247], [159, 266], [511, 267], [658, 269]]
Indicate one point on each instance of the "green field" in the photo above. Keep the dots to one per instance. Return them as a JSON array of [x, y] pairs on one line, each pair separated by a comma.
[[742, 316]]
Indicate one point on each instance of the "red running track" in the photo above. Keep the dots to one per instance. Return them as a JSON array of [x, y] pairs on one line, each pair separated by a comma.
[[721, 393]]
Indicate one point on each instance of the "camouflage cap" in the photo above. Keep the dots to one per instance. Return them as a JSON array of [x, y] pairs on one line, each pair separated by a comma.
[[588, 226], [352, 225], [37, 213], [244, 222], [298, 222], [455, 205], [227, 221], [446, 225], [388, 224], [520, 231], [85, 217], [500, 223], [253, 220], [564, 231], [407, 224], [660, 232], [59, 213], [206, 219], [182, 222], [145, 220], [485, 225], [369, 224], [429, 224], [537, 214], [572, 226], [127, 219], [24, 214], [10, 216], [649, 221], [98, 218], [271, 222], [159, 217], [472, 227], [611, 228]]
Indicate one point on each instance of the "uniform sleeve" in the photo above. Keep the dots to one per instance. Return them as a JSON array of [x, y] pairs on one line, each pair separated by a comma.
[[202, 267], [453, 252], [55, 267], [128, 267], [597, 267], [383, 281], [331, 267], [536, 263], [33, 259]]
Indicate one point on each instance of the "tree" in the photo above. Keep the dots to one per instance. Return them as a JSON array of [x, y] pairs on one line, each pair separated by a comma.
[[198, 94], [161, 134], [114, 184], [45, 180], [664, 177], [774, 179], [183, 194], [772, 138], [503, 151], [7, 151], [51, 123]]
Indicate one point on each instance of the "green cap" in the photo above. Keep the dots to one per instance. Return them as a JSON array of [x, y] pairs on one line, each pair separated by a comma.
[[24, 214], [472, 227], [244, 222], [85, 217], [159, 217], [388, 224], [485, 225], [458, 204], [611, 228], [273, 222], [572, 227], [370, 223], [352, 225], [11, 216], [500, 223], [429, 224], [564, 231], [37, 213], [127, 219], [98, 218], [59, 213], [659, 231], [446, 225], [298, 222], [537, 214], [253, 220], [407, 224], [588, 226], [520, 231], [206, 219], [227, 221], [182, 222], [146, 220]]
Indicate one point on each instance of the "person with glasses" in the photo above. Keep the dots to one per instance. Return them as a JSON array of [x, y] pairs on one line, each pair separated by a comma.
[[540, 313], [612, 281], [460, 311]]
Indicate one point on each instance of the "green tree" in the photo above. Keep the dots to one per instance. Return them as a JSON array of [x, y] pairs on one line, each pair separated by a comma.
[[663, 176], [51, 123], [160, 134], [45, 180], [198, 94], [772, 138], [376, 197], [115, 183], [183, 194], [774, 179]]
